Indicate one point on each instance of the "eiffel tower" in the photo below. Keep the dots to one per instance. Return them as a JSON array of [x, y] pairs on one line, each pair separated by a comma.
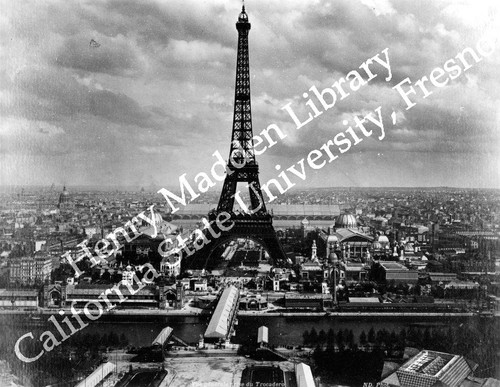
[[255, 222]]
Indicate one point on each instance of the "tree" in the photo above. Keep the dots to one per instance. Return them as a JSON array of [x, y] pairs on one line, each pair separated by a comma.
[[371, 335], [427, 340], [322, 337], [350, 339], [392, 340], [306, 337], [251, 285], [116, 277], [330, 339], [362, 338], [123, 340], [106, 276], [113, 339], [379, 338], [96, 275], [401, 339], [412, 335], [340, 339], [313, 336]]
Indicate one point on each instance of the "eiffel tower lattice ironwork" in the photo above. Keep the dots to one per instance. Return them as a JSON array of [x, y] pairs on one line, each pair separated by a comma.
[[254, 222]]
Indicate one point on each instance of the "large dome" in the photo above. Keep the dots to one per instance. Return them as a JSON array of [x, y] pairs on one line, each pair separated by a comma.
[[64, 196], [346, 221]]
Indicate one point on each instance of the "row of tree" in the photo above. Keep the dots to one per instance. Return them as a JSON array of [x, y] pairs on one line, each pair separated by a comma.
[[345, 339], [476, 340]]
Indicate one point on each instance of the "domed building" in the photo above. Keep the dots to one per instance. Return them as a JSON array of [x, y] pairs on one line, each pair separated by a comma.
[[170, 264], [332, 258], [346, 221], [384, 241], [350, 242], [305, 227], [64, 199]]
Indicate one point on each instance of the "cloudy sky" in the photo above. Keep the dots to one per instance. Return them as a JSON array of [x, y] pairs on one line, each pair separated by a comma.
[[154, 100]]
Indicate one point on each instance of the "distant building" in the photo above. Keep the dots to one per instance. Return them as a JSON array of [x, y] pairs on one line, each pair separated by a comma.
[[64, 199], [444, 278], [289, 212], [200, 285], [172, 296], [30, 270], [147, 297], [128, 275], [313, 301], [347, 237], [26, 299], [253, 302], [312, 272], [39, 244], [398, 273], [170, 265], [354, 272]]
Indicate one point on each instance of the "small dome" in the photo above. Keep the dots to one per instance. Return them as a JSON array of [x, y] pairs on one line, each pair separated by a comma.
[[332, 239], [304, 221], [346, 221], [332, 258], [383, 239], [129, 268]]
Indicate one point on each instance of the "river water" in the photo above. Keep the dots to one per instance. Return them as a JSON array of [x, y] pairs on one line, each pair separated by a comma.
[[282, 330]]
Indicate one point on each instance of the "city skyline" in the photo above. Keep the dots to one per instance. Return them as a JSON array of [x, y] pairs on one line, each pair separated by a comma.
[[125, 93]]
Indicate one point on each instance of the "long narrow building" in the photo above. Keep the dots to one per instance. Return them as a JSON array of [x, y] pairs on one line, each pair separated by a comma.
[[221, 322]]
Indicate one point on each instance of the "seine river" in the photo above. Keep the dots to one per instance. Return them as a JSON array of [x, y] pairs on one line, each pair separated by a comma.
[[282, 330]]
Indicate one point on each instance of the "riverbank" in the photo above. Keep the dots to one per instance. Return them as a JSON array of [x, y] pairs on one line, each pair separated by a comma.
[[145, 313], [352, 314], [114, 312]]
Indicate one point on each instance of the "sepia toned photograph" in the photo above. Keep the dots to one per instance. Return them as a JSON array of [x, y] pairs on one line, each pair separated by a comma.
[[228, 193]]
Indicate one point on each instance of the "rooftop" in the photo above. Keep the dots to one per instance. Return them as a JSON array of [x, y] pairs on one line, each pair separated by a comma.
[[218, 325], [393, 266], [429, 368]]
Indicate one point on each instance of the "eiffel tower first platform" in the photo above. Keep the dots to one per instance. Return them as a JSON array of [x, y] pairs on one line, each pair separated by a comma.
[[253, 221]]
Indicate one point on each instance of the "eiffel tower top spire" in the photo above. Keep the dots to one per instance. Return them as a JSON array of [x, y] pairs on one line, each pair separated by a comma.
[[243, 15]]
